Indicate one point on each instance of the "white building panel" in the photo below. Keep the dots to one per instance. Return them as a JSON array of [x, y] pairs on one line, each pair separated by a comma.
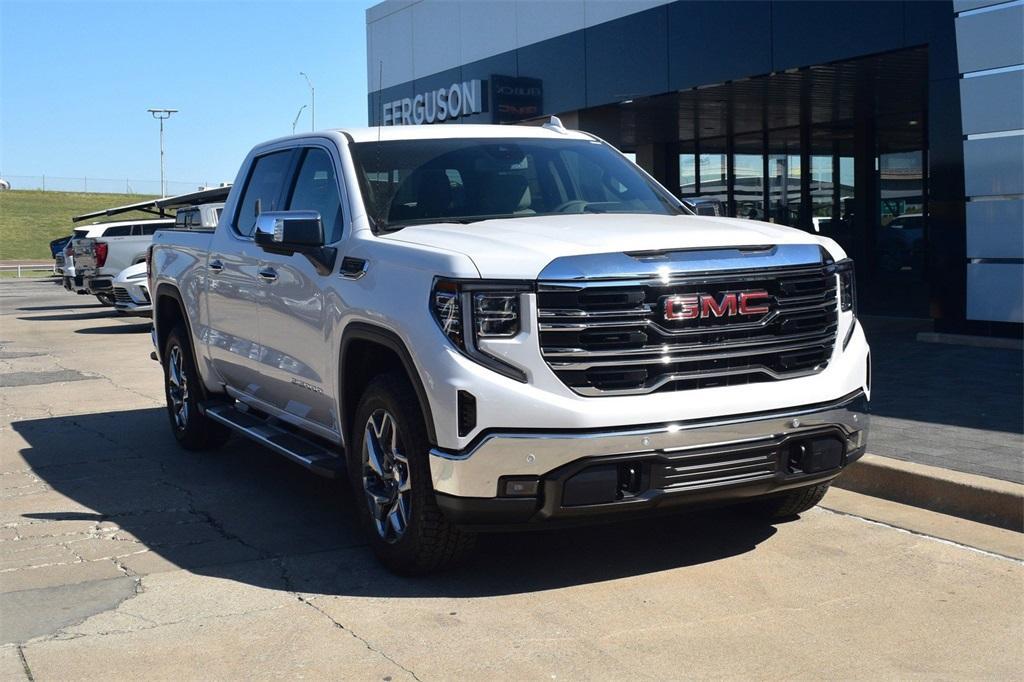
[[538, 20], [995, 229], [990, 40], [487, 28], [600, 11], [995, 292], [389, 40], [435, 37]]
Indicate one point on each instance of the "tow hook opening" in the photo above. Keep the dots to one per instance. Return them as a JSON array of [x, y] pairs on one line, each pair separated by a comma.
[[812, 455], [606, 483]]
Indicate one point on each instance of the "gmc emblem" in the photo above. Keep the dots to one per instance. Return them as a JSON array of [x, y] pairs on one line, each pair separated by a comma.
[[701, 306]]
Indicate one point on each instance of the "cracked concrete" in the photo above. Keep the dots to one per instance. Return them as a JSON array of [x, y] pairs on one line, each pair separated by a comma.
[[122, 556]]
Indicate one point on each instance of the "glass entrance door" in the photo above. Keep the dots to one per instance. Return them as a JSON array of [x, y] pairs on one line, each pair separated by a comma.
[[898, 248]]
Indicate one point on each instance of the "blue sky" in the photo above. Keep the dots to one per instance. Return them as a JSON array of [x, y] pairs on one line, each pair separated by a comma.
[[76, 79]]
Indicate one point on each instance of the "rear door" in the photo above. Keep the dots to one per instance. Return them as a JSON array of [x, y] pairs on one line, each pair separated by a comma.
[[234, 288], [297, 361]]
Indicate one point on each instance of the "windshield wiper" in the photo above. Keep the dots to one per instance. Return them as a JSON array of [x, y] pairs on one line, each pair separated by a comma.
[[393, 227]]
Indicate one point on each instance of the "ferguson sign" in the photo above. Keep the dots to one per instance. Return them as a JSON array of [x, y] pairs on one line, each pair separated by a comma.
[[436, 106]]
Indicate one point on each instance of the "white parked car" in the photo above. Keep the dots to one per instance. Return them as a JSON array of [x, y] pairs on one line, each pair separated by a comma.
[[494, 326], [99, 258], [202, 217], [131, 291], [73, 279]]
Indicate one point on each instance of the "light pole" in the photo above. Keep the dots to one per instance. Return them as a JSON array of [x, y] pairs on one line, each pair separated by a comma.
[[312, 100], [297, 118], [162, 115]]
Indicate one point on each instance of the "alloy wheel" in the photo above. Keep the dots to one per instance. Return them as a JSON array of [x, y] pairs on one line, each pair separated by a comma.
[[386, 476], [177, 386]]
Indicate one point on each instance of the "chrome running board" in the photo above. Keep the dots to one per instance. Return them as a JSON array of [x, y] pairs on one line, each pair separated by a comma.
[[267, 432]]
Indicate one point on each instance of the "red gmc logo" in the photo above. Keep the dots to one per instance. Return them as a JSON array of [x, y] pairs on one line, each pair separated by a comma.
[[701, 306]]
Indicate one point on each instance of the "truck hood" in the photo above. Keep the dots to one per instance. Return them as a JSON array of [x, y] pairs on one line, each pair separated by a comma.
[[519, 248]]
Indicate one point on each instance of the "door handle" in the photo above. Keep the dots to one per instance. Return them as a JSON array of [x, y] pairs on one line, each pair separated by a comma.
[[268, 274], [215, 266]]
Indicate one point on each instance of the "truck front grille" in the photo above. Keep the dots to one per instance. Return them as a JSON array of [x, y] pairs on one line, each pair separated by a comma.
[[612, 337]]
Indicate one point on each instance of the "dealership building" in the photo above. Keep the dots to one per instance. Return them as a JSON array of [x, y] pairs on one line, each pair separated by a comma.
[[896, 128]]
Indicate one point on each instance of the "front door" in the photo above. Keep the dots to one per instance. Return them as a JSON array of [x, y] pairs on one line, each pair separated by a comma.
[[234, 288], [297, 360]]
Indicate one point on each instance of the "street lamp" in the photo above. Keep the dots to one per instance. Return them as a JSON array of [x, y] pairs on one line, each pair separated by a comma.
[[312, 98], [297, 118], [162, 115]]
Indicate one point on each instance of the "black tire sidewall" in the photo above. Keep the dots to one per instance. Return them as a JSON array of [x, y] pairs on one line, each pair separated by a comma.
[[393, 393], [193, 435]]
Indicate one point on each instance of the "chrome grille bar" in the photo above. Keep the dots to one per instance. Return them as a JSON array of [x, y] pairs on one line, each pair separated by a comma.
[[611, 337]]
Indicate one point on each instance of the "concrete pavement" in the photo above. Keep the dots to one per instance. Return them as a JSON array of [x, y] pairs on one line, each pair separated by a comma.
[[122, 556], [945, 405]]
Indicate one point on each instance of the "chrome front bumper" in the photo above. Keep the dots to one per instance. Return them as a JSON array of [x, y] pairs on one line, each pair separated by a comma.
[[475, 472]]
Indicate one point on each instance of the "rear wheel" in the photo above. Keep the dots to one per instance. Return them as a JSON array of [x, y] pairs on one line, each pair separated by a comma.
[[182, 387], [790, 504], [390, 476]]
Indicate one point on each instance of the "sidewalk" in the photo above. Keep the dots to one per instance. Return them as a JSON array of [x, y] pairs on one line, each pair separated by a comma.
[[956, 407]]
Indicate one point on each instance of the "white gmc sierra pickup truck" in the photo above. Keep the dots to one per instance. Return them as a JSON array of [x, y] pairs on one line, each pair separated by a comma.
[[492, 326]]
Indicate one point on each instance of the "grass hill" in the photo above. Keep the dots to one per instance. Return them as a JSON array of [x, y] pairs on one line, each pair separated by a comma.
[[30, 219]]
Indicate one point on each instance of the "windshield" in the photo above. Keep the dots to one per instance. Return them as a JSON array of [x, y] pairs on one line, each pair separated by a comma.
[[406, 182]]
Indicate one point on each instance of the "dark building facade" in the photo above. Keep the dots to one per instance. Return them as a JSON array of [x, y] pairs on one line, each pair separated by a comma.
[[893, 127]]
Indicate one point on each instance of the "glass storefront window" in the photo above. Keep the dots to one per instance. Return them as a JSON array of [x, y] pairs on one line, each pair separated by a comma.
[[687, 169], [748, 183], [784, 176], [822, 189], [714, 178]]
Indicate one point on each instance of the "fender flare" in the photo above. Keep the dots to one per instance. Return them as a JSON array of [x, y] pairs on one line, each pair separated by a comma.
[[363, 331], [168, 290]]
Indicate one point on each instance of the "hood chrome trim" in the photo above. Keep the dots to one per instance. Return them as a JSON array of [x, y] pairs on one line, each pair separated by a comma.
[[663, 265]]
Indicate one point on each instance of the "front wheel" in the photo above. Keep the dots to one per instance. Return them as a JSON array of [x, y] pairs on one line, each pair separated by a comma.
[[192, 429], [791, 503], [390, 476]]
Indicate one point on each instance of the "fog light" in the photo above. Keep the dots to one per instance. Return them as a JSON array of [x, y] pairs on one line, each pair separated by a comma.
[[519, 487]]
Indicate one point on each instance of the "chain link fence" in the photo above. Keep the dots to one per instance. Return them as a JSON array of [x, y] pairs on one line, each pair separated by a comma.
[[50, 183]]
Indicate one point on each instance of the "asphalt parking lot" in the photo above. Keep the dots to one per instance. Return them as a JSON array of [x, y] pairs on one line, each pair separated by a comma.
[[122, 556]]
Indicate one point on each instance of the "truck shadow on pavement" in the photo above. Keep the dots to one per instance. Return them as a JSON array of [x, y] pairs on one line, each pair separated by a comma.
[[100, 314], [126, 328], [243, 513], [45, 308]]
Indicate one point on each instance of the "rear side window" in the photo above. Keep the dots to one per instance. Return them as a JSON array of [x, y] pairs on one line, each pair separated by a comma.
[[262, 190], [119, 231], [316, 189]]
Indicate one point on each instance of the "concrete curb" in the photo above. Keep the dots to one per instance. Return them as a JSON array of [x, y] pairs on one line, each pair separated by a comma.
[[978, 498]]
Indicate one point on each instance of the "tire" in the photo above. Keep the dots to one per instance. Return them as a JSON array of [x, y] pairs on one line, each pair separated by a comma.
[[183, 389], [105, 299], [394, 497], [792, 503]]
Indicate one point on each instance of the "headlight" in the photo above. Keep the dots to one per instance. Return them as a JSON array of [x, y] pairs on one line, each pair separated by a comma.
[[847, 286], [469, 312]]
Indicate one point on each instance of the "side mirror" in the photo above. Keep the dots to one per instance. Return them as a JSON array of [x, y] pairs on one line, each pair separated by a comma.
[[290, 232]]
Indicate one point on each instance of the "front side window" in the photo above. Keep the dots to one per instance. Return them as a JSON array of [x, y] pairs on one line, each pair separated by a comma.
[[263, 189], [316, 189], [407, 182]]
